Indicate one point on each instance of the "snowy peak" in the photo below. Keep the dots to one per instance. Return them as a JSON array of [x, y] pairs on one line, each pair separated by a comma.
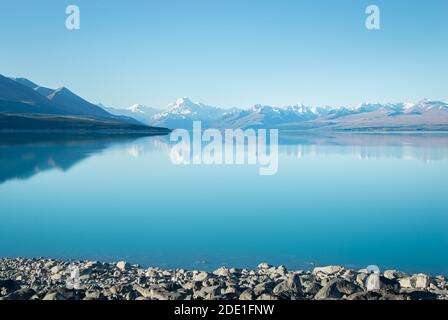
[[182, 103], [137, 108], [427, 105], [185, 108]]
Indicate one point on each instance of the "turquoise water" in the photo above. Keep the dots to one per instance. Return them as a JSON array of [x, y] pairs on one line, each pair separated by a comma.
[[350, 199]]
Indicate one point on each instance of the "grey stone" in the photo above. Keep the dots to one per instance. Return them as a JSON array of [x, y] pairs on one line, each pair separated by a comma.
[[264, 266], [336, 289], [123, 265], [21, 294], [328, 270], [222, 272], [247, 295]]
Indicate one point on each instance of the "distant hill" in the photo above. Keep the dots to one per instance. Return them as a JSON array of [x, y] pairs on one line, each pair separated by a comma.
[[26, 105], [44, 122]]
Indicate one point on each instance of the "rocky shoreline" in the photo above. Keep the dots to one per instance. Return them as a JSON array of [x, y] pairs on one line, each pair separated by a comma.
[[46, 279]]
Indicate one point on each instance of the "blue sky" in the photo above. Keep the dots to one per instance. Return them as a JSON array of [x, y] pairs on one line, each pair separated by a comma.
[[230, 52]]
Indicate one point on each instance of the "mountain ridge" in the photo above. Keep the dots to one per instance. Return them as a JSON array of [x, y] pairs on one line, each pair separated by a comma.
[[365, 116], [24, 105]]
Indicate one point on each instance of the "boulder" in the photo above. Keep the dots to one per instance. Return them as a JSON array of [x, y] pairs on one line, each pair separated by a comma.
[[420, 295], [264, 266], [247, 295], [336, 289], [222, 272], [390, 285], [56, 269], [21, 294], [328, 270], [266, 297], [290, 288], [54, 295], [8, 286], [422, 281], [417, 281], [201, 276], [208, 293], [394, 274], [123, 265]]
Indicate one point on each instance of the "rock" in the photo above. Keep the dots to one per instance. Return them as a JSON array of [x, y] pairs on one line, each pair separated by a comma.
[[54, 296], [151, 272], [422, 281], [123, 265], [201, 276], [329, 270], [145, 292], [374, 295], [313, 288], [70, 294], [265, 287], [8, 286], [56, 269], [394, 274], [349, 275], [56, 277], [208, 293], [361, 279], [406, 282], [365, 295], [247, 295], [93, 265], [336, 289], [264, 266], [290, 288], [235, 271], [222, 272], [158, 294], [44, 280], [267, 296], [231, 289], [21, 294], [294, 283], [421, 295], [418, 281], [389, 285], [93, 295]]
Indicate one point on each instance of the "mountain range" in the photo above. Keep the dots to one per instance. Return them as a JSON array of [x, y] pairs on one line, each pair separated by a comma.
[[425, 115], [25, 105]]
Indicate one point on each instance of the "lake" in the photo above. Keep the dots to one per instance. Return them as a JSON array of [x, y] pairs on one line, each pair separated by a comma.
[[346, 199]]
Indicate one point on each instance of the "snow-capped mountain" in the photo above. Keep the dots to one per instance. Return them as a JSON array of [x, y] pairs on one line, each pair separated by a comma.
[[267, 116], [425, 114], [390, 115], [137, 111], [183, 112]]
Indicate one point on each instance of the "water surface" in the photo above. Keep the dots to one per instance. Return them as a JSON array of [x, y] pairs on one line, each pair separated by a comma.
[[350, 199]]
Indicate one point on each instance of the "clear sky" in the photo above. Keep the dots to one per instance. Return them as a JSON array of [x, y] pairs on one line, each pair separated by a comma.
[[230, 52]]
